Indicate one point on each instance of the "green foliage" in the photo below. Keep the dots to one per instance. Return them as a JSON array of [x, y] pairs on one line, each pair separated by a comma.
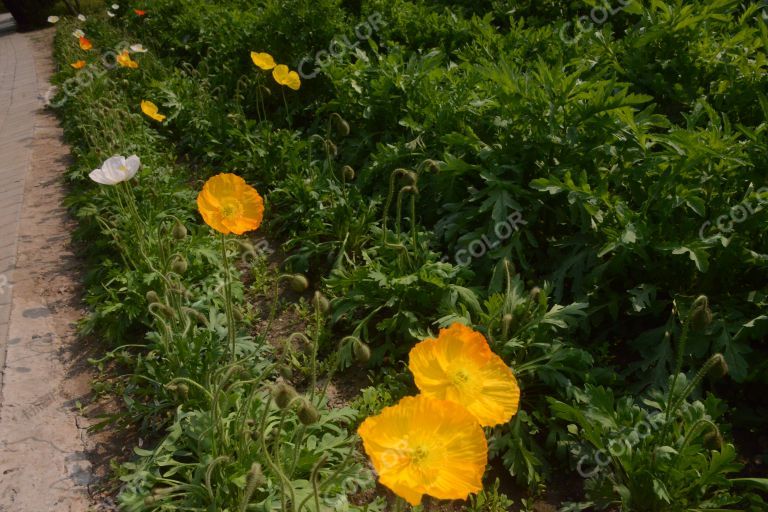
[[436, 170], [633, 456]]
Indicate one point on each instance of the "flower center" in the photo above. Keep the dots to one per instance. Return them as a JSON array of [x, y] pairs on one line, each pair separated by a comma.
[[418, 455], [460, 378], [230, 209], [123, 168]]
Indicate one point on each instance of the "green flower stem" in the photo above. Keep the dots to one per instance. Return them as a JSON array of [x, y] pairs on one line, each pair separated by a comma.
[[228, 298], [693, 430], [195, 384], [332, 477], [678, 363], [315, 348], [285, 102], [285, 483], [388, 203]]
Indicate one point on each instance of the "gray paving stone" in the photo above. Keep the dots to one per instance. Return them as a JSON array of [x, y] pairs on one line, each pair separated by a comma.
[[19, 101]]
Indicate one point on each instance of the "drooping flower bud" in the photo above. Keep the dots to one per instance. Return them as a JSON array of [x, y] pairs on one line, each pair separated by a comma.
[[307, 412], [152, 297], [331, 148], [179, 264], [713, 440], [299, 283], [361, 351], [340, 124], [283, 394], [720, 368], [700, 315], [255, 478], [179, 231], [286, 372], [348, 173], [432, 164], [320, 302], [197, 316]]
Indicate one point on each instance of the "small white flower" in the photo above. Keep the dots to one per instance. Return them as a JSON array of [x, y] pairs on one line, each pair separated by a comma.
[[110, 14], [78, 33], [138, 48], [116, 170], [53, 19], [81, 17], [115, 7]]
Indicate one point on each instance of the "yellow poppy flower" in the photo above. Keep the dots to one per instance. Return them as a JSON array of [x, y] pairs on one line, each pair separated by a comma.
[[78, 64], [124, 60], [85, 44], [424, 445], [459, 366], [285, 77], [229, 205], [150, 109], [263, 60]]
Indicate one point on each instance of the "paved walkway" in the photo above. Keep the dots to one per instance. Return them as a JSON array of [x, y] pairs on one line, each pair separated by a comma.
[[44, 462], [18, 102]]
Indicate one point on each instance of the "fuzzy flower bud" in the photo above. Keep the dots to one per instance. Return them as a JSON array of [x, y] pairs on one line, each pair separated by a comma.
[[331, 148], [286, 372], [179, 264], [361, 351], [307, 412], [700, 316], [283, 394], [255, 477], [299, 283], [179, 231], [340, 124], [320, 302]]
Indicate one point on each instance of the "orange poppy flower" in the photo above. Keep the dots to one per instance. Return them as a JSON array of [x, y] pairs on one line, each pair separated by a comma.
[[424, 445], [229, 205], [459, 366], [284, 76], [125, 61], [264, 60], [85, 44], [79, 64], [139, 12], [151, 110]]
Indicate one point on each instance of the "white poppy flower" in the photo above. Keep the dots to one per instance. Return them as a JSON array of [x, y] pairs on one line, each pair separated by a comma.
[[78, 33], [53, 19], [138, 48], [110, 14], [81, 17], [116, 170], [115, 7]]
